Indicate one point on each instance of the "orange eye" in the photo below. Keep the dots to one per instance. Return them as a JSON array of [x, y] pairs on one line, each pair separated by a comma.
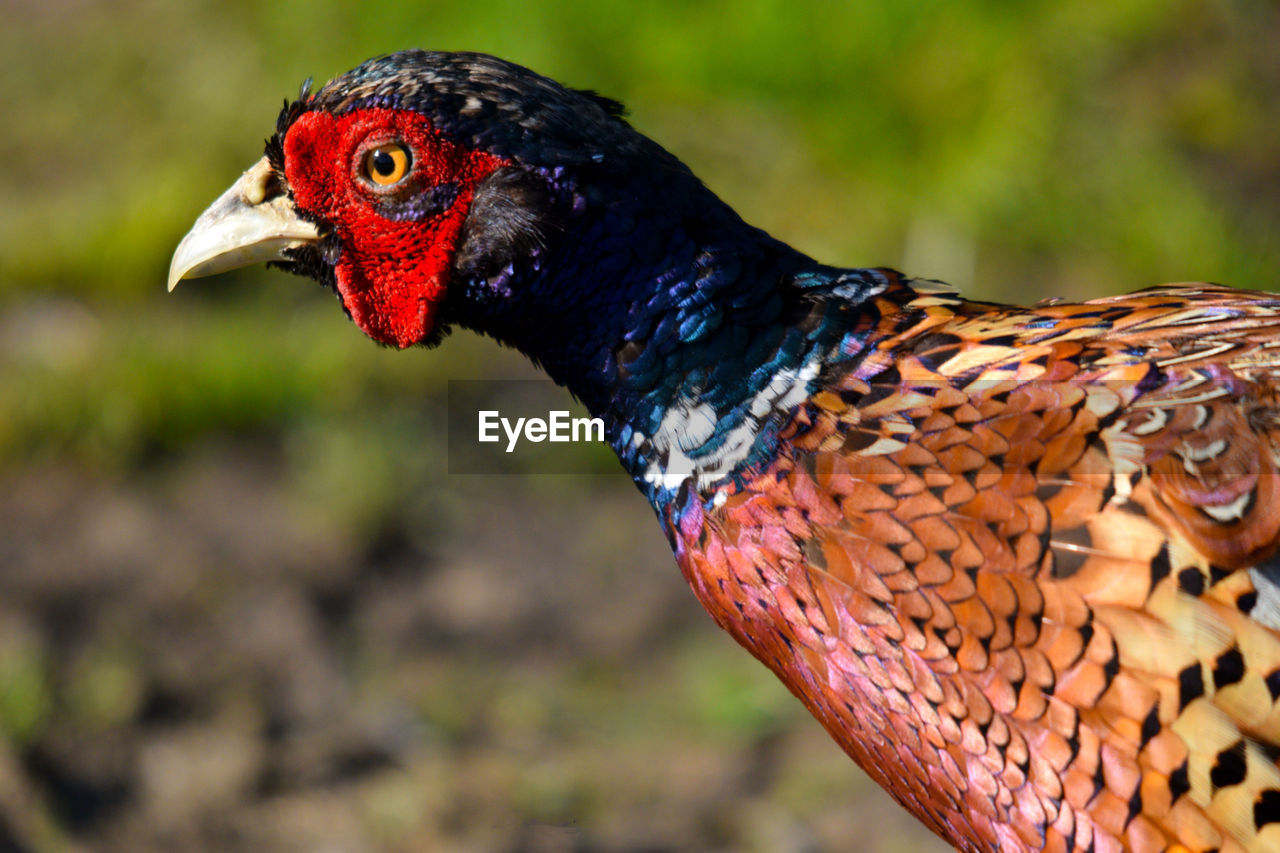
[[387, 164]]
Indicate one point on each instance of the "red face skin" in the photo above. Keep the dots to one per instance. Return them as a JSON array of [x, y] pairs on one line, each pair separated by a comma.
[[391, 274]]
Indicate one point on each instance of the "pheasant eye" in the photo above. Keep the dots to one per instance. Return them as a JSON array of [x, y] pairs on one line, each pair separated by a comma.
[[387, 164]]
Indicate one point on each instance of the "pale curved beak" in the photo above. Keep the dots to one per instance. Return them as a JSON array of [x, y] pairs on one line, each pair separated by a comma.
[[250, 223]]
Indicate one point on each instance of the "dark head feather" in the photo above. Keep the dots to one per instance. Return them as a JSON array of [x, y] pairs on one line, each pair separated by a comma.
[[484, 103]]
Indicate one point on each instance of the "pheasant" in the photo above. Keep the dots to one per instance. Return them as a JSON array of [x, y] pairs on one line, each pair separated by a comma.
[[1020, 562]]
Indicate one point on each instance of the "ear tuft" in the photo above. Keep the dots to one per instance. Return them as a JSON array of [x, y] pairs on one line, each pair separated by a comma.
[[508, 219], [614, 108]]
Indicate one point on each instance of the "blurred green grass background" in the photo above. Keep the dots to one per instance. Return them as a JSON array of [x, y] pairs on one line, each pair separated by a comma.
[[241, 604]]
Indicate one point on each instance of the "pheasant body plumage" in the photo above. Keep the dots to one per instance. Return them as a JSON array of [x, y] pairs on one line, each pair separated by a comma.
[[973, 562], [1020, 562]]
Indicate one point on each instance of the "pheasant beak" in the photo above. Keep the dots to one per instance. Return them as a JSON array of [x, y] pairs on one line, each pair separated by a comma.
[[252, 222]]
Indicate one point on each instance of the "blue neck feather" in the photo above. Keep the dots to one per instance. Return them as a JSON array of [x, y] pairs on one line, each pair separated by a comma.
[[666, 298]]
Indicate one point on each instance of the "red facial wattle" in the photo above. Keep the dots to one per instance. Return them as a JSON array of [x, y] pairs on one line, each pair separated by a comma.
[[392, 273]]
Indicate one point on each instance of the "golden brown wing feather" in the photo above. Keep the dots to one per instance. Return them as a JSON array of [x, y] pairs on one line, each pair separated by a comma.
[[1017, 562]]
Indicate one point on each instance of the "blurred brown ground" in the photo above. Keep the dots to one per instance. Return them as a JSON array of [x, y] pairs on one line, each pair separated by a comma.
[[229, 675]]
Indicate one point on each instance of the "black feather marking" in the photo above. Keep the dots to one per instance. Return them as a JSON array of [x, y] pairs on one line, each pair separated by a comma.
[[1247, 601], [1228, 668], [1151, 380], [1191, 581], [1112, 667], [1190, 685], [1266, 809], [1109, 492], [1099, 779], [1273, 684], [1160, 567], [1179, 781], [1150, 725], [1135, 805], [858, 439], [1230, 767]]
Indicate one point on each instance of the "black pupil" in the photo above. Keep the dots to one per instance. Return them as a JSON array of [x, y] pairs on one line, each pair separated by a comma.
[[383, 163]]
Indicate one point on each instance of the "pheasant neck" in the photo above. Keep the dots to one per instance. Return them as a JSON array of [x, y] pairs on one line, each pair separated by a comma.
[[692, 334]]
